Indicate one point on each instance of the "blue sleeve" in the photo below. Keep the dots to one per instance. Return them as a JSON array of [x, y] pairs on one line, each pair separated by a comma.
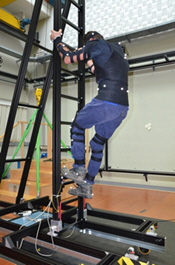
[[99, 51]]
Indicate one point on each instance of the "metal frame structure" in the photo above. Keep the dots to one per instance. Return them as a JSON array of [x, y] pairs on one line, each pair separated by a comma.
[[95, 227], [87, 218]]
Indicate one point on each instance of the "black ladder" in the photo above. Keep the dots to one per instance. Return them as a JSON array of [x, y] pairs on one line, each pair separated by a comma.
[[54, 70], [18, 88]]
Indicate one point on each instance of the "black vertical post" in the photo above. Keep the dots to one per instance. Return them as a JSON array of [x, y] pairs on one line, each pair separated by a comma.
[[81, 81], [19, 84], [56, 179]]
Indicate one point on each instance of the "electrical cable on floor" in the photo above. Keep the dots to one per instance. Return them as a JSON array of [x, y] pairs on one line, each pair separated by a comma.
[[36, 239], [36, 220], [72, 230]]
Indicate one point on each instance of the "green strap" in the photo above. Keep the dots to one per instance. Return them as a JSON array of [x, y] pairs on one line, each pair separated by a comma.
[[22, 140], [37, 163], [63, 144]]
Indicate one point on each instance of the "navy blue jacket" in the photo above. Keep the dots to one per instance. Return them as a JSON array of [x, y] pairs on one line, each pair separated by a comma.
[[111, 70]]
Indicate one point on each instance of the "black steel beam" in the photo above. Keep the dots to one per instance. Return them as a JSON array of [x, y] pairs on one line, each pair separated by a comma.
[[145, 226], [144, 172], [126, 233], [110, 259], [11, 76], [115, 216], [151, 57], [25, 205], [24, 232], [9, 225], [5, 204], [72, 245], [69, 213], [24, 256], [19, 84], [140, 60]]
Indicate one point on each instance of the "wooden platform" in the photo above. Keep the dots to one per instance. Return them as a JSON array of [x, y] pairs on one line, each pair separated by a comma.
[[9, 187]]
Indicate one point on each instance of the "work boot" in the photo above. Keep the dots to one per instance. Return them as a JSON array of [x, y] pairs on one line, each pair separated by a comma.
[[77, 174], [84, 190]]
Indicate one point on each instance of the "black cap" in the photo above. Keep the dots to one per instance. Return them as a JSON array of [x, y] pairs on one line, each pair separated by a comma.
[[92, 35]]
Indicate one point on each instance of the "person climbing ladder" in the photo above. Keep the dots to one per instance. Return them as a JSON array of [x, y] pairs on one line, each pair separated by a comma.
[[105, 112]]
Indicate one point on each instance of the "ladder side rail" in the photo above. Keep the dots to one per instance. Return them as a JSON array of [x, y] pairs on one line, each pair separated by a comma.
[[75, 4], [35, 131], [59, 22], [56, 134], [81, 85], [19, 84], [65, 13]]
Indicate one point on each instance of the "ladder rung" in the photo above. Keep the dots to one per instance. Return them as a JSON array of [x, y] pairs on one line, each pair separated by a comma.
[[75, 73], [66, 123], [75, 4], [69, 80], [70, 24], [65, 149], [15, 160], [28, 106], [69, 97]]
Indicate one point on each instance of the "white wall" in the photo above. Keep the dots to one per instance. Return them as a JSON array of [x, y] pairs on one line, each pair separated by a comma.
[[134, 146]]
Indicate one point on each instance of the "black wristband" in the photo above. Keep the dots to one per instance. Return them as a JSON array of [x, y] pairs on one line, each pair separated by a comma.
[[57, 41]]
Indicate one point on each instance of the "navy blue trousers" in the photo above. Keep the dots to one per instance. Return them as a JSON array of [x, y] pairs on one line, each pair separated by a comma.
[[106, 117]]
